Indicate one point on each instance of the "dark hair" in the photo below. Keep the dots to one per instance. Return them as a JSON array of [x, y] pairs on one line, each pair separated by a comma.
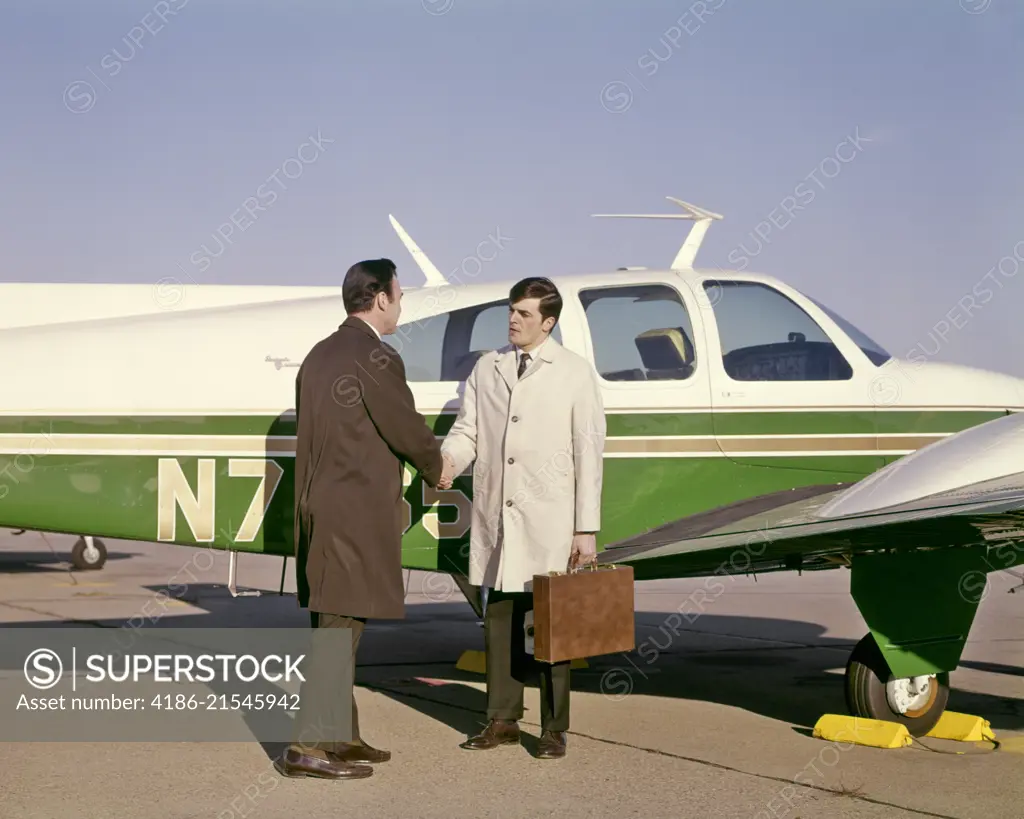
[[364, 280], [537, 287]]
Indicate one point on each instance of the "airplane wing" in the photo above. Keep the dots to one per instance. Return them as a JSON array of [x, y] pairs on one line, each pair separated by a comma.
[[786, 531], [965, 490]]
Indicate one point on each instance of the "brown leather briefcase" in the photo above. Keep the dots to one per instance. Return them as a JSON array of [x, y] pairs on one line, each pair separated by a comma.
[[583, 613]]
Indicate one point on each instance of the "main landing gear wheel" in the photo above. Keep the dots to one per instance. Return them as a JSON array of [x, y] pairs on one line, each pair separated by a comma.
[[872, 691], [88, 553]]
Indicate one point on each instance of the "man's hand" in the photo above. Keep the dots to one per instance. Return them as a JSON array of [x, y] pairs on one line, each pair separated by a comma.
[[447, 473], [584, 549]]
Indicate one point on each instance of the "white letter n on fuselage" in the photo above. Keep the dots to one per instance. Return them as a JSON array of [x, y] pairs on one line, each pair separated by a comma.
[[173, 491]]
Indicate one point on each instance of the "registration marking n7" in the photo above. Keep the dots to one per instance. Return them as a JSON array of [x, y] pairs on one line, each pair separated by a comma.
[[199, 507]]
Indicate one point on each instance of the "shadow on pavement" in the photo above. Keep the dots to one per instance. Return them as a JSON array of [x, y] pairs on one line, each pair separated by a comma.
[[794, 676]]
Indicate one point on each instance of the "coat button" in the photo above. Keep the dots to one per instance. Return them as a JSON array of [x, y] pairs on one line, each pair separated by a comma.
[[511, 460], [508, 503], [515, 418]]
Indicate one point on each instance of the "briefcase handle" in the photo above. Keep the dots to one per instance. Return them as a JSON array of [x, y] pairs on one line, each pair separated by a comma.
[[592, 566]]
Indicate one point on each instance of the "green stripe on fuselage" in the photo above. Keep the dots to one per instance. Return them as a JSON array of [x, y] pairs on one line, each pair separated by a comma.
[[116, 495], [751, 422]]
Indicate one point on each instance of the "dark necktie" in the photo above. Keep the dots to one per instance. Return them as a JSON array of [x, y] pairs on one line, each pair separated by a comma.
[[524, 362]]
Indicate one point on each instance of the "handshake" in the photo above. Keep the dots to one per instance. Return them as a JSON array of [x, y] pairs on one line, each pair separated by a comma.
[[447, 473]]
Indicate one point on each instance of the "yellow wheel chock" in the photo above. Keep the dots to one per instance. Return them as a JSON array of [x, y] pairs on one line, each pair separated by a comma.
[[875, 733], [878, 733], [962, 727]]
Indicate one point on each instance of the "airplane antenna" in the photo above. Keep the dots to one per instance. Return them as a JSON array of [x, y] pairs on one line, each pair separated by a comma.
[[432, 274], [699, 216]]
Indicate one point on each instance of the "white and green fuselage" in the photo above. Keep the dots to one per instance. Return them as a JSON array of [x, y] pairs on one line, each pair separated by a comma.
[[170, 418], [175, 423]]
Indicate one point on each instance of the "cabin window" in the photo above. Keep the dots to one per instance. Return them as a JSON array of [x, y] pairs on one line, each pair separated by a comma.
[[766, 336], [445, 347], [474, 331], [639, 333], [490, 326], [419, 343]]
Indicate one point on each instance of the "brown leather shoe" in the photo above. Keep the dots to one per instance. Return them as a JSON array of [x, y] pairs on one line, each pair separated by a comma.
[[294, 763], [498, 732], [552, 745], [360, 752]]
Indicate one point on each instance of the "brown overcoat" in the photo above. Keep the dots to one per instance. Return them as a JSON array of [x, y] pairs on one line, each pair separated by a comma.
[[356, 425]]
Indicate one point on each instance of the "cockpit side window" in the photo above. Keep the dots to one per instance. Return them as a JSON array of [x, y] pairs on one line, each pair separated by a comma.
[[766, 336], [875, 352]]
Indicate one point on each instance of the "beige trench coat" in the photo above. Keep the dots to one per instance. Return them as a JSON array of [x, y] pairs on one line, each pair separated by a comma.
[[537, 447]]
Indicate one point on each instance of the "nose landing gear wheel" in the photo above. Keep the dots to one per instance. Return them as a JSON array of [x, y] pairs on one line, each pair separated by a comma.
[[872, 691], [88, 553]]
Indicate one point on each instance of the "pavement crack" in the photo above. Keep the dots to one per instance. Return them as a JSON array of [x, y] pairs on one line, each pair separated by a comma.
[[46, 614], [682, 757]]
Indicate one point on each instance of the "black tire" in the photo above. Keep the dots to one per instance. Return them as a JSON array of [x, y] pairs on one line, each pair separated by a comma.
[[79, 559], [867, 674]]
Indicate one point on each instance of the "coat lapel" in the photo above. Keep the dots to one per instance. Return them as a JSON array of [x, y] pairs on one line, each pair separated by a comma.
[[506, 365]]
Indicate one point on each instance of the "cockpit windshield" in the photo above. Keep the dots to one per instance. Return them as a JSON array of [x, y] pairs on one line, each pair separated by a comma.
[[875, 352]]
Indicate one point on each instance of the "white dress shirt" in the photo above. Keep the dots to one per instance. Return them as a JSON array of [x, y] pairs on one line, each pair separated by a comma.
[[375, 330], [532, 354]]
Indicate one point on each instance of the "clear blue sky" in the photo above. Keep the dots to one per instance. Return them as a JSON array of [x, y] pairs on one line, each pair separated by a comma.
[[485, 116]]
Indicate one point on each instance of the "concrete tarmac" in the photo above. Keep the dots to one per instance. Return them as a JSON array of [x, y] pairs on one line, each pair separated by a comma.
[[711, 715]]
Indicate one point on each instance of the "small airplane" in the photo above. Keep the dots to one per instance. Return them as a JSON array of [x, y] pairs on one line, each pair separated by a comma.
[[751, 429]]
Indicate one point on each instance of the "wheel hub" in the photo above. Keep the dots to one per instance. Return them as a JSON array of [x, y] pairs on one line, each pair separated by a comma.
[[91, 553], [911, 696]]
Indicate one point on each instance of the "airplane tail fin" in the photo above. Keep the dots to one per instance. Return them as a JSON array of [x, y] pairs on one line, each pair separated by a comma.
[[699, 216], [432, 274]]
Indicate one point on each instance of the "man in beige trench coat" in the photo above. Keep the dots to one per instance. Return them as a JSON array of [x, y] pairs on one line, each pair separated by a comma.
[[532, 424]]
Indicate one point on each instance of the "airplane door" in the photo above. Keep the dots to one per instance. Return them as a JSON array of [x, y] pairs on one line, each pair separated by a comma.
[[789, 399], [646, 341]]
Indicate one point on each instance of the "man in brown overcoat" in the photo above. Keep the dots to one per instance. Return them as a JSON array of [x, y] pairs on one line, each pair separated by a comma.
[[356, 424]]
